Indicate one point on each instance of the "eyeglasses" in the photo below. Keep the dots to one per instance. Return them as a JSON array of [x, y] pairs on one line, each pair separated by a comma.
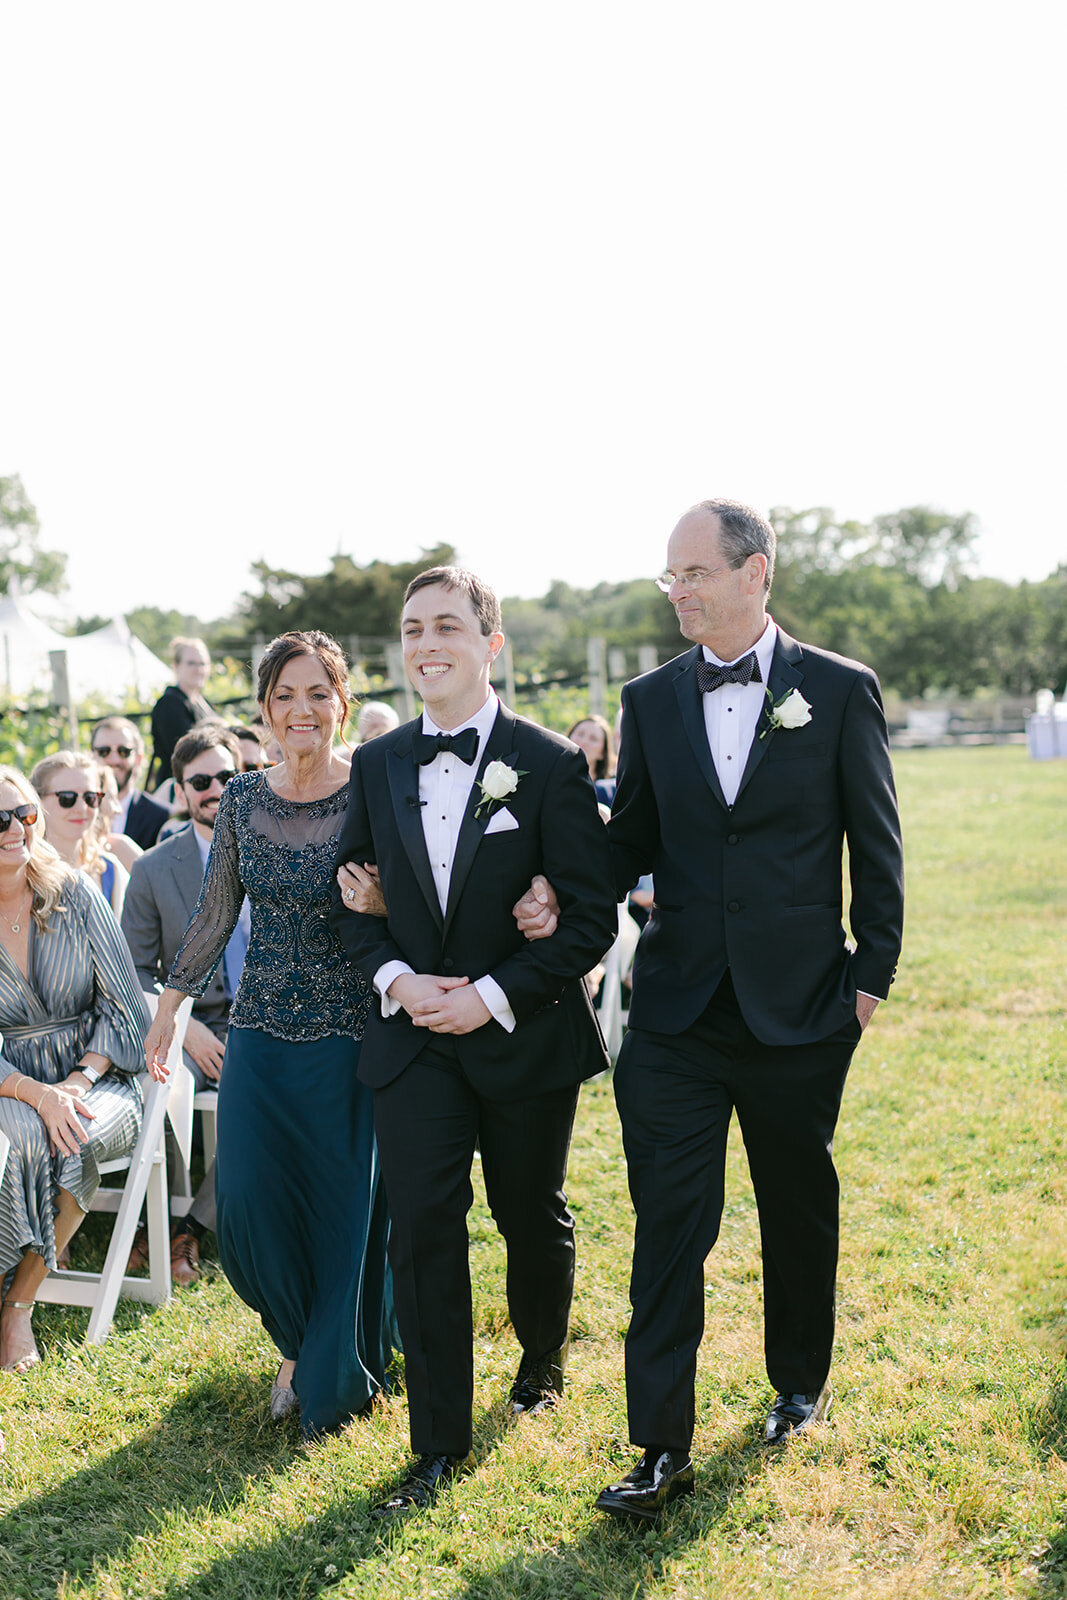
[[27, 815], [123, 751], [693, 577], [68, 798], [203, 780]]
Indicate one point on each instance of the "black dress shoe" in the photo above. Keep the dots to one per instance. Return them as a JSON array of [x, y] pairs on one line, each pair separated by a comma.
[[419, 1489], [538, 1383], [796, 1413], [649, 1488]]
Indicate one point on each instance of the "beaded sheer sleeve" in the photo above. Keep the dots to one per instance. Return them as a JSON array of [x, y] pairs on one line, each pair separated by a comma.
[[297, 982]]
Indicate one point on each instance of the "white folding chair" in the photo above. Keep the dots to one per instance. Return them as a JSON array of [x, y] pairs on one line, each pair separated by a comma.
[[146, 1180], [616, 966], [185, 1099]]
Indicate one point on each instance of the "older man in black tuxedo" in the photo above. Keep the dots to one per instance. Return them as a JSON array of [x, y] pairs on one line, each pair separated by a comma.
[[746, 764], [480, 1036]]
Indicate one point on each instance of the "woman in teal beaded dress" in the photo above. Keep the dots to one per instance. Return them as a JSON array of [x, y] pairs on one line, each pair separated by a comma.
[[302, 1220]]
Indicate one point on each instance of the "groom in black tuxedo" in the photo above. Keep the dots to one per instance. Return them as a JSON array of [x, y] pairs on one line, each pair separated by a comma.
[[746, 764], [479, 1036]]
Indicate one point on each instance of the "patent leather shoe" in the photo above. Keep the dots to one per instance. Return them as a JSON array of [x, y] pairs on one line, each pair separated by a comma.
[[538, 1383], [649, 1489], [792, 1414], [421, 1486]]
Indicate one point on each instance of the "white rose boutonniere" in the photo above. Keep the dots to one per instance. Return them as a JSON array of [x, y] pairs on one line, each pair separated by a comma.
[[791, 711], [499, 782]]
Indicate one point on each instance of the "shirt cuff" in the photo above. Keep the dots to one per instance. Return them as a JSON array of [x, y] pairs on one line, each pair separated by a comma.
[[877, 998], [383, 978], [497, 1002]]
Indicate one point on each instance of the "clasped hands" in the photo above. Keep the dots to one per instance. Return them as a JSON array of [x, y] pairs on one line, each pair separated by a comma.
[[444, 1005]]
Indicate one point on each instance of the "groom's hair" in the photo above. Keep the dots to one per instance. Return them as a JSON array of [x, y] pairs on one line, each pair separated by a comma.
[[482, 598], [744, 533]]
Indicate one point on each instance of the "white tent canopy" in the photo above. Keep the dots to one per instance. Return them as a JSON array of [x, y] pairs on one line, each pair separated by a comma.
[[108, 664]]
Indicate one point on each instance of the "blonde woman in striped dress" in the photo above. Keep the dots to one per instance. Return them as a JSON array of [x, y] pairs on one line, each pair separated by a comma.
[[73, 1023]]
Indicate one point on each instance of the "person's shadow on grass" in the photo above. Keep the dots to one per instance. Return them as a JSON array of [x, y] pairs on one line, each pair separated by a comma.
[[597, 1559], [198, 1453]]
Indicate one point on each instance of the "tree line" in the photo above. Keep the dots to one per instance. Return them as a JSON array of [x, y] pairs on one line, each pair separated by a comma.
[[898, 592]]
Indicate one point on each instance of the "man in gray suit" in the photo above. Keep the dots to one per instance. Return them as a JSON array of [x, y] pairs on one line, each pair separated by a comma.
[[163, 891]]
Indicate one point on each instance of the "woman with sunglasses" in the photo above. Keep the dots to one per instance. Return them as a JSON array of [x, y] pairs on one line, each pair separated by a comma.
[[71, 788], [73, 1022]]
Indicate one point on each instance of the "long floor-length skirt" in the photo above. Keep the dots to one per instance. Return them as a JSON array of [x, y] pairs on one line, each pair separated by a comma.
[[302, 1219]]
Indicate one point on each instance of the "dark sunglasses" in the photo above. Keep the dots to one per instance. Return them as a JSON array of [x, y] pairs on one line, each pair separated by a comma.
[[68, 798], [27, 815], [123, 751], [203, 780]]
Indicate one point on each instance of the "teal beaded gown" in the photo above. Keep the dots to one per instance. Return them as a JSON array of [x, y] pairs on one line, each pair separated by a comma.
[[302, 1221]]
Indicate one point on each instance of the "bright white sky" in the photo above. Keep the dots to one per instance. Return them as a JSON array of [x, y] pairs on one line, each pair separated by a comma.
[[282, 280]]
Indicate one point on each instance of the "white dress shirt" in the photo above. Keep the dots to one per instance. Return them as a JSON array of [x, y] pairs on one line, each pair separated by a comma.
[[732, 712], [445, 784]]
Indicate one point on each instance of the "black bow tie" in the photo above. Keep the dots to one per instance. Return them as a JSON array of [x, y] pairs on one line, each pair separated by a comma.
[[463, 744], [711, 677]]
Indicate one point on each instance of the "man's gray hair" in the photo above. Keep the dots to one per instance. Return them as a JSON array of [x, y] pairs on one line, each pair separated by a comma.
[[744, 533]]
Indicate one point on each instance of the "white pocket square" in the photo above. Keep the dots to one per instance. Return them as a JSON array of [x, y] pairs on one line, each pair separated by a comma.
[[501, 821]]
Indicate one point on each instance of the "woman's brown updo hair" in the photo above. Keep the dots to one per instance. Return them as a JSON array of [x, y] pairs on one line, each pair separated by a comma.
[[313, 642]]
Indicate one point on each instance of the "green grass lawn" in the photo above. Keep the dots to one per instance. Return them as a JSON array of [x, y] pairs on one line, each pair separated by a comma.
[[150, 1466]]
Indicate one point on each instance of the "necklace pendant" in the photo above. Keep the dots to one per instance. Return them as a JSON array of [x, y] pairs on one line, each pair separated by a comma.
[[16, 927]]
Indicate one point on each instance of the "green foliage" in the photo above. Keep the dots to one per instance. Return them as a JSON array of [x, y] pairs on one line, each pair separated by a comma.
[[558, 706], [21, 556], [349, 601], [156, 628], [895, 594]]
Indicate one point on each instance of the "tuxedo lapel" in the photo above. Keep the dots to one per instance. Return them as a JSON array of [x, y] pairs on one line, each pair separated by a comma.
[[785, 674], [498, 747], [691, 706], [404, 791]]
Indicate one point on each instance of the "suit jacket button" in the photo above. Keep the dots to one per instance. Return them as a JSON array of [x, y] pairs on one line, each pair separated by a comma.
[[448, 963], [733, 838], [734, 905]]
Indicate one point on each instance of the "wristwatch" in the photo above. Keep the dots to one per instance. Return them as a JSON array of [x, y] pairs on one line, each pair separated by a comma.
[[92, 1074]]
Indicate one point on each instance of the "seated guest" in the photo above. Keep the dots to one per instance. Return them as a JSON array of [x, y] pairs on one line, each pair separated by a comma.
[[70, 789], [181, 705], [593, 735], [120, 845], [164, 889], [250, 744], [375, 718], [117, 744], [73, 1024]]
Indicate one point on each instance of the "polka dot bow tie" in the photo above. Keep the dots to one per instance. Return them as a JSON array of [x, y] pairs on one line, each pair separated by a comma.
[[710, 677]]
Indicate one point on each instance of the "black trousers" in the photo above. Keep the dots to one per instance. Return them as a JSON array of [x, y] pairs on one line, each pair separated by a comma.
[[427, 1122], [675, 1094]]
